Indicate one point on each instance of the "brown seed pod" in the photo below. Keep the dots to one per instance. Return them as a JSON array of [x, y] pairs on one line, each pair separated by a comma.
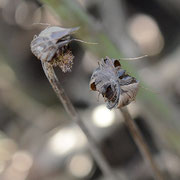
[[116, 86], [51, 45]]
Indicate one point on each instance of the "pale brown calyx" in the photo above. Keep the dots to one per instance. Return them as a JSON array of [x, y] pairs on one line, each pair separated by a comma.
[[64, 60]]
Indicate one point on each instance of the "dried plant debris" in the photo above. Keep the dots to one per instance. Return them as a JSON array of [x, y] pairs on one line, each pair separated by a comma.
[[51, 46], [116, 86]]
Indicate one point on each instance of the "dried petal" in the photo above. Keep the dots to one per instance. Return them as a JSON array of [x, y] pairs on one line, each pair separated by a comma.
[[51, 45], [118, 88]]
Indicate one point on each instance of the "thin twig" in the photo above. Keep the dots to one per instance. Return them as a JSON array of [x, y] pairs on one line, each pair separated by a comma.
[[142, 146], [99, 158]]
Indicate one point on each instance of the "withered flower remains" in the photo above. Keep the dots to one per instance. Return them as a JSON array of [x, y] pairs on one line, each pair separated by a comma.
[[51, 45], [116, 86]]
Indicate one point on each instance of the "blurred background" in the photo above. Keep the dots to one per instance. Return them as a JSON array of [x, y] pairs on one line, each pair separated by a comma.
[[38, 139]]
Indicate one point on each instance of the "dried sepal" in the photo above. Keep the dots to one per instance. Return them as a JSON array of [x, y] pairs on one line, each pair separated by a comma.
[[116, 86], [51, 45]]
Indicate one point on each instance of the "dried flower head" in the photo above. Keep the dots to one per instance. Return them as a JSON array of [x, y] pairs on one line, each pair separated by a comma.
[[51, 45], [116, 86]]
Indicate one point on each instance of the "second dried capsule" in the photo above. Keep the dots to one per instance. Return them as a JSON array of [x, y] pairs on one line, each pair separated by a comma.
[[116, 86]]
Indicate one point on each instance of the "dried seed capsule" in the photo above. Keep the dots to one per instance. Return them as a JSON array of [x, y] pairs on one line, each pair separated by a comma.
[[51, 45], [118, 88]]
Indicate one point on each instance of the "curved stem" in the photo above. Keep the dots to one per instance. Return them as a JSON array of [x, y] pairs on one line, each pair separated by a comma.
[[99, 158], [141, 144]]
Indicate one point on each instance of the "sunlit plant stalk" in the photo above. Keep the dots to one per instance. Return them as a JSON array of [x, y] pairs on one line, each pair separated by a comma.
[[140, 142], [51, 47]]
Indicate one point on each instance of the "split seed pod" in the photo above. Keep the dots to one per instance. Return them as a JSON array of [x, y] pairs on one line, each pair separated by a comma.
[[116, 86], [51, 45]]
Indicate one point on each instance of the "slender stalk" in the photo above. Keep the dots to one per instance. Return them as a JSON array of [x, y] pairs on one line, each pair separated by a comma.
[[101, 161], [141, 144]]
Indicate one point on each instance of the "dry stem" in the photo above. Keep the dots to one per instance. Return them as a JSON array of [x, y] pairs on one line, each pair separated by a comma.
[[101, 161], [141, 144]]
